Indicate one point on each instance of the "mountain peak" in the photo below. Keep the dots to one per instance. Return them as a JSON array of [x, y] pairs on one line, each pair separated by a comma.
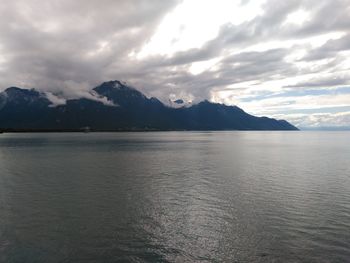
[[23, 96], [16, 90], [120, 93], [115, 84]]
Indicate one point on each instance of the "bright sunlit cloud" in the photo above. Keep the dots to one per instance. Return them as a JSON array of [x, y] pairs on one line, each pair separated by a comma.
[[201, 66], [298, 18], [192, 23]]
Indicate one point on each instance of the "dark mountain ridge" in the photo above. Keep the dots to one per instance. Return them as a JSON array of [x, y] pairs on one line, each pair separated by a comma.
[[22, 109]]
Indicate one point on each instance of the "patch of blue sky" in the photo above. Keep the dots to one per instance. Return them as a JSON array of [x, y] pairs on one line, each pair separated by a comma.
[[316, 110], [299, 92]]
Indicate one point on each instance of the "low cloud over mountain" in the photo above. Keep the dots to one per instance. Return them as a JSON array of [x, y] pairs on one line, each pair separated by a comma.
[[115, 106]]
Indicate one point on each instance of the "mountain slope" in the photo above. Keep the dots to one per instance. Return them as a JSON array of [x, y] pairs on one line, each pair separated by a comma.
[[129, 110]]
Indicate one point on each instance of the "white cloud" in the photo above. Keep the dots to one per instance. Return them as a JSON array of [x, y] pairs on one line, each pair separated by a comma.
[[192, 24], [318, 120], [298, 18]]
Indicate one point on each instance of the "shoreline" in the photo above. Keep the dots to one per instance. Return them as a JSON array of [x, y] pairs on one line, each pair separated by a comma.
[[116, 130]]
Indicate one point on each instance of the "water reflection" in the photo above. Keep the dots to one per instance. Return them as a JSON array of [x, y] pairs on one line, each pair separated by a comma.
[[177, 196]]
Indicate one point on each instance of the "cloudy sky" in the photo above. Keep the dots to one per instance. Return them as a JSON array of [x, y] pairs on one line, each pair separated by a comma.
[[286, 59]]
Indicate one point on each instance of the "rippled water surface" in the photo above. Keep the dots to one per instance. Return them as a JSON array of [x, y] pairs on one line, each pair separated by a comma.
[[175, 196]]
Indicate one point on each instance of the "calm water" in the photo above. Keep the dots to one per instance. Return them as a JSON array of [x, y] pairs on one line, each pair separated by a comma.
[[176, 196]]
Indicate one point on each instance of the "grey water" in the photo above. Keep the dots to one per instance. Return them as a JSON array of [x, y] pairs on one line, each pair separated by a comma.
[[175, 197]]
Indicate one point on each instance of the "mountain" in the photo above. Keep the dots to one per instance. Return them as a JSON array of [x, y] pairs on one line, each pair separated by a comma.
[[128, 109], [326, 128]]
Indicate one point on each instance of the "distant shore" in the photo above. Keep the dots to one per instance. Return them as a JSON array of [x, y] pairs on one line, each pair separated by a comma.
[[77, 130], [108, 130]]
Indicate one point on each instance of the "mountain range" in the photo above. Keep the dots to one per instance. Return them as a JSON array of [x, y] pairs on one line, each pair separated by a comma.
[[127, 109]]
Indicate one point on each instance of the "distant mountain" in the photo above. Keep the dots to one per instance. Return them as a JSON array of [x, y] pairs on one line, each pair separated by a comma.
[[325, 128], [129, 109]]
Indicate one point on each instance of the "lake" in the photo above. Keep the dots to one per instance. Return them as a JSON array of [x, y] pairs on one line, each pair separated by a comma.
[[175, 197]]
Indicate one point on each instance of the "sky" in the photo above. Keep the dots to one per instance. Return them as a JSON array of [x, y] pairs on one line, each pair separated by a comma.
[[284, 59]]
